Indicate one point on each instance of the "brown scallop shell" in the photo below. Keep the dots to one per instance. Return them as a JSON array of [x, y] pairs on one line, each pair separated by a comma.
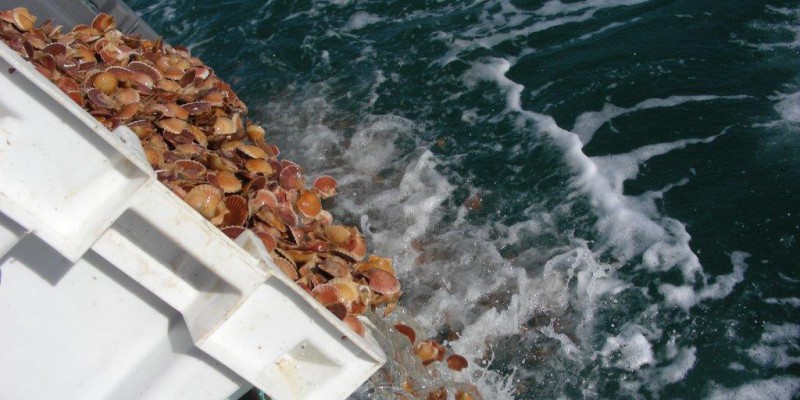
[[326, 294], [197, 107], [338, 234], [381, 281], [326, 186], [233, 231], [190, 169], [291, 177], [103, 22], [308, 204], [173, 125], [237, 211], [263, 198], [259, 165], [354, 324], [224, 126], [457, 362], [429, 351], [100, 99], [204, 199], [268, 240], [407, 331], [226, 181]]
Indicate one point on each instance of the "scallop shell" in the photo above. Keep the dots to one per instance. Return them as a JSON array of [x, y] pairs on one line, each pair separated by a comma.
[[224, 126], [263, 198], [334, 268], [103, 22], [354, 324], [286, 214], [429, 351], [348, 290], [457, 362], [291, 177], [326, 294], [23, 19], [233, 231], [259, 165], [255, 133], [338, 234], [226, 181], [173, 125], [197, 107], [268, 241], [308, 204], [190, 169], [100, 99], [126, 96], [204, 199], [381, 281], [326, 186], [252, 151], [407, 331], [238, 212], [286, 267], [337, 309]]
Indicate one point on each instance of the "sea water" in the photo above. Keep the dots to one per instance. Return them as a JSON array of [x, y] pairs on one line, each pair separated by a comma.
[[587, 199]]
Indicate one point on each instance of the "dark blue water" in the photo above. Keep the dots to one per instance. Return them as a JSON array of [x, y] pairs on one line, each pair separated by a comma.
[[591, 199]]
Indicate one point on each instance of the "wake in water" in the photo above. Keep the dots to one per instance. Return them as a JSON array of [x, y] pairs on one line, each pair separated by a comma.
[[573, 193]]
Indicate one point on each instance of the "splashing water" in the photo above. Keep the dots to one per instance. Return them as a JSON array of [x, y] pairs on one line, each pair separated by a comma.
[[589, 199]]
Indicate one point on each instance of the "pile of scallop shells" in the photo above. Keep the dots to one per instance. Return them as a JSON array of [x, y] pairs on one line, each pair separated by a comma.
[[194, 133]]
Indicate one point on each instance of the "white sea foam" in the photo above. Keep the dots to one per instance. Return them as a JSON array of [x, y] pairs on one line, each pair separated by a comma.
[[360, 20], [792, 301], [587, 124], [777, 388], [788, 106], [687, 297], [631, 351], [512, 22], [778, 347]]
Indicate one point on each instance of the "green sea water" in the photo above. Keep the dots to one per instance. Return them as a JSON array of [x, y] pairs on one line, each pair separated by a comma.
[[601, 197]]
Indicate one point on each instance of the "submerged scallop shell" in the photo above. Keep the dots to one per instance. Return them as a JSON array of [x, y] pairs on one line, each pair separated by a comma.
[[407, 331], [457, 362], [429, 351]]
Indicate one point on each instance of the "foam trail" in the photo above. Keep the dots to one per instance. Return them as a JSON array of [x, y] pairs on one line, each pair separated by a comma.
[[778, 388], [587, 124], [627, 231], [513, 22]]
